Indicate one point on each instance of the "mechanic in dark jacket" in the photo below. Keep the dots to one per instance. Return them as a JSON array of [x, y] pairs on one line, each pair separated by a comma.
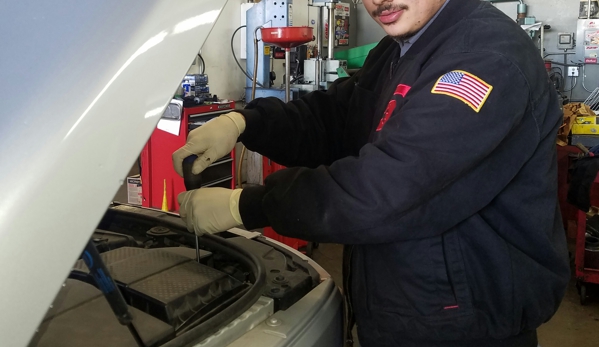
[[436, 162]]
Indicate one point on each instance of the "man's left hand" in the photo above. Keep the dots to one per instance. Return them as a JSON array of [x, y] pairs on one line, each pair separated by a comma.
[[210, 210]]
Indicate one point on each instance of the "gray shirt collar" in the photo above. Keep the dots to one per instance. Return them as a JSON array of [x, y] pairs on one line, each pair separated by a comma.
[[407, 44]]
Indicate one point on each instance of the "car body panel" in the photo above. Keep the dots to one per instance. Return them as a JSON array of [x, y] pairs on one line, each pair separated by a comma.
[[84, 85], [315, 320]]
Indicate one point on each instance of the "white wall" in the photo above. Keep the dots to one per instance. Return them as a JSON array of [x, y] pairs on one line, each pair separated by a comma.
[[226, 80]]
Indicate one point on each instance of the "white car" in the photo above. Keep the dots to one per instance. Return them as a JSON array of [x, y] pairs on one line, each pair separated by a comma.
[[84, 85]]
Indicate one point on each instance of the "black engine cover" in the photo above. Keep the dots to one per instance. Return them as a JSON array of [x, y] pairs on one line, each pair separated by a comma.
[[166, 284], [81, 316]]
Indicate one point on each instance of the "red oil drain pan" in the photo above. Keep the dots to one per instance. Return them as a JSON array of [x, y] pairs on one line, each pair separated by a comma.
[[287, 37]]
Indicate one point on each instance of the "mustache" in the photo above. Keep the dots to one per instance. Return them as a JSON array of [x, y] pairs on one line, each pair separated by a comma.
[[388, 7]]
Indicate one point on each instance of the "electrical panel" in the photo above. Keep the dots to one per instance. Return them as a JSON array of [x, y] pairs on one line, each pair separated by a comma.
[[565, 41]]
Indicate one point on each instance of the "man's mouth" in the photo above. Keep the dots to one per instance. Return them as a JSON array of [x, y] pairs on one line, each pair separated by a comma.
[[389, 13], [390, 16]]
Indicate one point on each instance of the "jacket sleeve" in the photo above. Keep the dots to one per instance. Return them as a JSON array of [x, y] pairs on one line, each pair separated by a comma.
[[304, 132], [435, 163]]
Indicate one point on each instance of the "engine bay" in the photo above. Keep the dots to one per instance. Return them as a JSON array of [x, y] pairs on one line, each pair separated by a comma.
[[173, 295]]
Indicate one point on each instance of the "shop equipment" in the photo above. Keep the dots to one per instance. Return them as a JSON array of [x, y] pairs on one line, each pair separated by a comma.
[[287, 38]]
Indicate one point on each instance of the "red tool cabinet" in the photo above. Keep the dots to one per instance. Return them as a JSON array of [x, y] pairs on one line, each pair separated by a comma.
[[586, 272], [156, 159]]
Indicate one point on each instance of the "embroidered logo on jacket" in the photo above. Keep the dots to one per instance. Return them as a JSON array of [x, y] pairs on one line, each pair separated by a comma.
[[402, 90], [464, 86]]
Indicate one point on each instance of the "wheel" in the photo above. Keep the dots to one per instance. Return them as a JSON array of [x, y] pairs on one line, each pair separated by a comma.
[[583, 294]]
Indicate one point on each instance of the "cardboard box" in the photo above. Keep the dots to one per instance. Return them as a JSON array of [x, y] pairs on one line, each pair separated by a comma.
[[134, 190]]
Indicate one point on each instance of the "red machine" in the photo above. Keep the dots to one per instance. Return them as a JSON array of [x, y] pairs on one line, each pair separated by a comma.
[[586, 262], [156, 159]]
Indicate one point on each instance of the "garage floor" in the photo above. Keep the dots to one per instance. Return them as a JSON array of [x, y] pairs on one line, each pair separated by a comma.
[[573, 324]]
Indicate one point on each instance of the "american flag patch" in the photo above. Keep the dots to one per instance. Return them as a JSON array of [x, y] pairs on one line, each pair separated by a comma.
[[464, 86]]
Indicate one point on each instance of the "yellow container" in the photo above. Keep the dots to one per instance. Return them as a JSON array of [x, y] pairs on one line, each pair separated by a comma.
[[586, 126]]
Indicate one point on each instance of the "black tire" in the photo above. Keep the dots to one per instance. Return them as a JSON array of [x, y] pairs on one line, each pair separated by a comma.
[[583, 294]]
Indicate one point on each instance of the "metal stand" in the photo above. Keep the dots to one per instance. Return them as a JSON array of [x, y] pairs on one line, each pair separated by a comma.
[[319, 32], [331, 31], [287, 38], [287, 74]]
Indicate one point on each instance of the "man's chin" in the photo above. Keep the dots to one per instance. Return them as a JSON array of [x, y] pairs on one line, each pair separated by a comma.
[[400, 35], [395, 29], [403, 37]]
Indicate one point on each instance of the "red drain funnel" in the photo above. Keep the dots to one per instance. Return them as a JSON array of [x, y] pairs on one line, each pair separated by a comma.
[[287, 37]]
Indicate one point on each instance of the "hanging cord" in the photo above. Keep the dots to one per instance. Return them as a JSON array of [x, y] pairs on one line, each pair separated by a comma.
[[583, 78], [573, 84], [255, 79], [203, 64], [235, 56]]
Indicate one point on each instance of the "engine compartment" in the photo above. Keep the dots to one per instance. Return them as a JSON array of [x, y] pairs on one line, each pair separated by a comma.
[[170, 292], [166, 283]]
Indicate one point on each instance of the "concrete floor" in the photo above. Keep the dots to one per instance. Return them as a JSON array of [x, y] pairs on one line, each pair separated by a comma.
[[572, 325]]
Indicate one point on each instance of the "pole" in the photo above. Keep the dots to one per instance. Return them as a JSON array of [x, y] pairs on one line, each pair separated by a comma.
[[319, 31], [319, 34], [542, 46], [287, 73], [331, 30]]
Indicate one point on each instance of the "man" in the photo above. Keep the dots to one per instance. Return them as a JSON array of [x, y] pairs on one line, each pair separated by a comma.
[[435, 162]]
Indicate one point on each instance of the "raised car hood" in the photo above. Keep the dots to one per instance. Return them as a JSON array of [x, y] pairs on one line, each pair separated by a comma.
[[83, 84]]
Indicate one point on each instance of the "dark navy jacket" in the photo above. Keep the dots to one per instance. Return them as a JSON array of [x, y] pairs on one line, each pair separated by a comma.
[[448, 196]]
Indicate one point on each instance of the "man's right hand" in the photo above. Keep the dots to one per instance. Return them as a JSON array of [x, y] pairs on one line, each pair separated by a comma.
[[210, 142]]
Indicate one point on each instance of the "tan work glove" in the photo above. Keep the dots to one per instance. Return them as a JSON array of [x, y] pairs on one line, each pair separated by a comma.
[[210, 142], [210, 210]]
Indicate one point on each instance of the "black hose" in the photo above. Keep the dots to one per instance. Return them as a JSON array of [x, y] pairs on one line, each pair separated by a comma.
[[203, 63], [562, 64], [237, 61]]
